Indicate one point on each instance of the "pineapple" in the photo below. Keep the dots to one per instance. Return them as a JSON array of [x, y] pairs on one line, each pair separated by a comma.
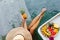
[[24, 15]]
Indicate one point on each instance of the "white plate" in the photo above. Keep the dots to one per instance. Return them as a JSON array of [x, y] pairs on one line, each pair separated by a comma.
[[55, 19]]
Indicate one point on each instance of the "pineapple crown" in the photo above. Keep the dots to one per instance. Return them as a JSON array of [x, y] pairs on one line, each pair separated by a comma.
[[22, 11]]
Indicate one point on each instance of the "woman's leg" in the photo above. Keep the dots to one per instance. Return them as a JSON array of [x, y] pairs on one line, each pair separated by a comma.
[[36, 21]]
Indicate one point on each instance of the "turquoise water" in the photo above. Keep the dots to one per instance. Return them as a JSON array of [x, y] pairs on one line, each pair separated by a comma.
[[37, 5], [10, 15]]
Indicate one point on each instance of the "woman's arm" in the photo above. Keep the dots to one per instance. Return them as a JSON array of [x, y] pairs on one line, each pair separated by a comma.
[[23, 23]]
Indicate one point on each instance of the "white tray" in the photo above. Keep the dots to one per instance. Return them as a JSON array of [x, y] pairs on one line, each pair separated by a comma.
[[55, 19]]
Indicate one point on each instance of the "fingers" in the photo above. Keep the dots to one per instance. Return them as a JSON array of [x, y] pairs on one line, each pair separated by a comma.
[[22, 18]]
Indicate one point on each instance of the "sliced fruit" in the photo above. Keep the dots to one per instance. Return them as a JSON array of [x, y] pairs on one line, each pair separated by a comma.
[[44, 31], [55, 25]]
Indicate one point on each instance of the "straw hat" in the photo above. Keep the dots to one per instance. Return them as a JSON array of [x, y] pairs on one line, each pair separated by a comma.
[[19, 34]]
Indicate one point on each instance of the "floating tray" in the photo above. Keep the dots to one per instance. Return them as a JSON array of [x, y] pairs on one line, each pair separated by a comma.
[[55, 19]]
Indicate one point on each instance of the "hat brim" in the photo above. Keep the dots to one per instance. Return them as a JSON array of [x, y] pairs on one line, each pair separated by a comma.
[[19, 31]]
